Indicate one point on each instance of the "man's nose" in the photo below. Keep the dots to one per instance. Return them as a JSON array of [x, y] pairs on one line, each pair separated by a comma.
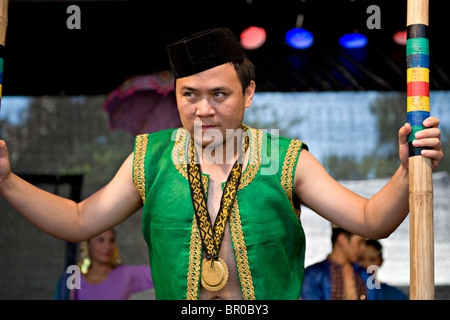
[[204, 108]]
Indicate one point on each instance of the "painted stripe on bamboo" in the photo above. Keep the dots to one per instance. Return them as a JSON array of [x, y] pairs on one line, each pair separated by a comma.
[[418, 88], [415, 129], [415, 118], [418, 74], [418, 103], [417, 30], [418, 60], [417, 45]]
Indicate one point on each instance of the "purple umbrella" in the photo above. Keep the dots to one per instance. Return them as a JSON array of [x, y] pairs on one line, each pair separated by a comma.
[[143, 104]]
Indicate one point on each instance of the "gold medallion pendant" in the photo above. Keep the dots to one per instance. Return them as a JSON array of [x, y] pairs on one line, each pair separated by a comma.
[[214, 274]]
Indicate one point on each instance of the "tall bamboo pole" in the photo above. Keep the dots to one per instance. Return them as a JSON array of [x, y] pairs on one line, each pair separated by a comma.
[[420, 172], [3, 25], [3, 20]]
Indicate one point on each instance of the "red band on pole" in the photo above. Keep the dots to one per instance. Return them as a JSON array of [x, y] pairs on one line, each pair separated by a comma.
[[418, 88]]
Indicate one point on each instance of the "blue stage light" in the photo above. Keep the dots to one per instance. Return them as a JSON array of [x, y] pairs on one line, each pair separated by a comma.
[[353, 41], [299, 38]]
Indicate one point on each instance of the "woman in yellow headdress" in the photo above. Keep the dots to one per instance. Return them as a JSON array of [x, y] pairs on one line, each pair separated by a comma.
[[103, 276]]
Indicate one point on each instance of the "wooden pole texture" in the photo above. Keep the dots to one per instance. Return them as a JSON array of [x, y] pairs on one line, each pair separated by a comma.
[[3, 20], [420, 171]]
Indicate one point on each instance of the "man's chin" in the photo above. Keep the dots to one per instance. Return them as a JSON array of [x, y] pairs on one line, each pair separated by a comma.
[[209, 143]]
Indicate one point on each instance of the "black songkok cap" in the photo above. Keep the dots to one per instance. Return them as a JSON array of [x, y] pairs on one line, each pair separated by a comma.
[[204, 50]]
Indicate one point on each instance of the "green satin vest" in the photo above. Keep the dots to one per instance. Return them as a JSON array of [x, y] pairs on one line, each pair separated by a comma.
[[268, 239]]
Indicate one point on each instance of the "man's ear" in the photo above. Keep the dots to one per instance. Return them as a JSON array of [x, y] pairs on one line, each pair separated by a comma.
[[342, 238], [249, 92]]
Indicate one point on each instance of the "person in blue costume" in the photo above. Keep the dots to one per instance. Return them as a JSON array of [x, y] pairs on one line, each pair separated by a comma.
[[339, 277], [373, 257]]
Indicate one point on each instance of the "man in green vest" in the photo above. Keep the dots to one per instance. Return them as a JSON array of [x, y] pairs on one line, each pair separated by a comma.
[[220, 200]]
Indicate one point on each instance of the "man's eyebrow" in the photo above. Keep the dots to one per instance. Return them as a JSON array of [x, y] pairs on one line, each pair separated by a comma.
[[215, 89], [222, 88], [186, 88]]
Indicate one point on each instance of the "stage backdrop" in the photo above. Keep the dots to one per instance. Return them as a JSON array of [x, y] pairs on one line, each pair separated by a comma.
[[354, 134]]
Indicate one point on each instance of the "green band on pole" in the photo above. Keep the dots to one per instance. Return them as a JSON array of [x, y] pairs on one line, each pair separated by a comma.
[[417, 45], [415, 129]]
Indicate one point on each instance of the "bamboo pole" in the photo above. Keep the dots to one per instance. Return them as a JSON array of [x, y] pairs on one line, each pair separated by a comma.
[[3, 20], [3, 25], [420, 172]]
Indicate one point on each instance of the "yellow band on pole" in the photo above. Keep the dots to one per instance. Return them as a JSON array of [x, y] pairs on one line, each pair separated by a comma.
[[418, 74], [418, 103]]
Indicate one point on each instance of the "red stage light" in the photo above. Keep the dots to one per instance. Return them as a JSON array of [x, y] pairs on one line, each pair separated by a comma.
[[253, 37], [400, 38]]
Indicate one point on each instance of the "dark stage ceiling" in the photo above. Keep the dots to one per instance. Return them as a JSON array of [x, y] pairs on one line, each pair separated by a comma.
[[120, 39]]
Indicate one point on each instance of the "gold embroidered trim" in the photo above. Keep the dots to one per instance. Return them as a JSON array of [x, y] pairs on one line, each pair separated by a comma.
[[195, 255], [286, 174], [138, 164], [240, 252], [179, 152], [255, 158]]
